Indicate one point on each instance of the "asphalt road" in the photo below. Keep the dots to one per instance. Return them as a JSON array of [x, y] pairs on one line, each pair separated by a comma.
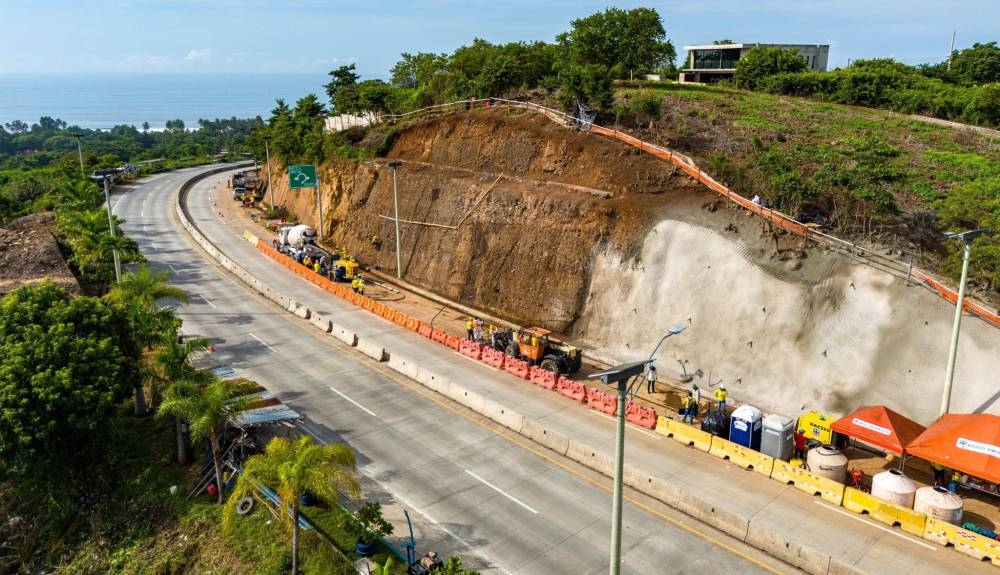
[[471, 488]]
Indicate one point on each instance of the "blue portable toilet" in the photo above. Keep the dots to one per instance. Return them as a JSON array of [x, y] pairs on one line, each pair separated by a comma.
[[745, 427]]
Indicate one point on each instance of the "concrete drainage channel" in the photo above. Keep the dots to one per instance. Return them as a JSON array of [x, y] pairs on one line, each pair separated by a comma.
[[758, 535]]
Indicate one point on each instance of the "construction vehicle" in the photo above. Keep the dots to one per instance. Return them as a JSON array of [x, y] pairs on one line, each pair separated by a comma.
[[293, 239], [535, 346]]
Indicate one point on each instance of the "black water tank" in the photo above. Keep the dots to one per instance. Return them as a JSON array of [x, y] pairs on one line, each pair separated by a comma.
[[716, 423]]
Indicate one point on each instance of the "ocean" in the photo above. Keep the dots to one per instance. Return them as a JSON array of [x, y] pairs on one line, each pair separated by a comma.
[[105, 101]]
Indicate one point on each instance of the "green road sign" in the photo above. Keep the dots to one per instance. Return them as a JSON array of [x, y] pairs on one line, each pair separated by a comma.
[[302, 176]]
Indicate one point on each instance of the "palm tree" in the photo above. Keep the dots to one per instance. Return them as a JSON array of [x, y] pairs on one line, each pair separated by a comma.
[[138, 293], [291, 469], [206, 410], [174, 372]]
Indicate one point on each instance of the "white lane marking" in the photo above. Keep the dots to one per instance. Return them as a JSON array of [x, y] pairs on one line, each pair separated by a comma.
[[869, 523], [153, 246], [629, 425], [216, 307], [173, 269], [258, 339], [358, 405], [500, 491], [401, 499]]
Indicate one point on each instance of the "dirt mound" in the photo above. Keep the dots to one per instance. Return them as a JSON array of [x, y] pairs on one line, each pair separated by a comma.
[[29, 253], [519, 207]]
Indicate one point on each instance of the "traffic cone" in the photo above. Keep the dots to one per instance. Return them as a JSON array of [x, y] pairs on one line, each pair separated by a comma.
[[211, 349]]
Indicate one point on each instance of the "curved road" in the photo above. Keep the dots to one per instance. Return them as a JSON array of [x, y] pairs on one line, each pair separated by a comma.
[[471, 488]]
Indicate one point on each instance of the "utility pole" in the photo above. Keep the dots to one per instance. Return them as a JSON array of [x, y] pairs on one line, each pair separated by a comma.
[[395, 204], [79, 150], [270, 187], [111, 228], [967, 237], [319, 207], [951, 52]]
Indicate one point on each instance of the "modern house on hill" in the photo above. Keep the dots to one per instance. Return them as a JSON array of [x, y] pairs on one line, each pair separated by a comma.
[[714, 62]]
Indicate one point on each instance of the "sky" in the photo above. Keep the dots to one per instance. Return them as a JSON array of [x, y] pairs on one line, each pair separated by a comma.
[[315, 36]]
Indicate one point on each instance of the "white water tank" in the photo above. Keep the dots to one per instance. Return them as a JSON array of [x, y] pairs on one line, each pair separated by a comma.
[[939, 503], [827, 461], [894, 487]]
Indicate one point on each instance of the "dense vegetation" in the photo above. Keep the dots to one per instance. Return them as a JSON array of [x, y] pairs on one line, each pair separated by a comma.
[[38, 163], [968, 92]]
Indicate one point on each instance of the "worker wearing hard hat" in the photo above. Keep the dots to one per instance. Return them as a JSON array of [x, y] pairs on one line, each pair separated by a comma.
[[354, 283], [470, 324], [720, 397]]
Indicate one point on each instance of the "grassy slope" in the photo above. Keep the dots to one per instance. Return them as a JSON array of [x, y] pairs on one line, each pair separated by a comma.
[[878, 177]]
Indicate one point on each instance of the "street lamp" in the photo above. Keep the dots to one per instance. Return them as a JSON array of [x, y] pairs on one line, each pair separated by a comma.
[[395, 205], [79, 149], [620, 376], [111, 228], [968, 237]]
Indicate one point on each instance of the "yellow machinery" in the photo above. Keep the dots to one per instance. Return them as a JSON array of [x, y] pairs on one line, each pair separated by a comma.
[[817, 427], [350, 269]]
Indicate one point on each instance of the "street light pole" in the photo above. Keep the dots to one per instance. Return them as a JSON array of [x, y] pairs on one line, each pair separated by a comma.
[[968, 237], [79, 150], [270, 187], [111, 228], [620, 376], [395, 205]]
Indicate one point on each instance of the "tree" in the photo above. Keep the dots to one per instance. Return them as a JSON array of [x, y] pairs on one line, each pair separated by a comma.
[[137, 294], [722, 42], [145, 127], [625, 41], [979, 64], [761, 62], [342, 77], [16, 127], [87, 235], [291, 469], [175, 374], [417, 69], [206, 410], [985, 105], [67, 363]]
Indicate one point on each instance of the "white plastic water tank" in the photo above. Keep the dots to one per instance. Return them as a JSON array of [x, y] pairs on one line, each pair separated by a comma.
[[894, 487], [827, 461], [939, 503]]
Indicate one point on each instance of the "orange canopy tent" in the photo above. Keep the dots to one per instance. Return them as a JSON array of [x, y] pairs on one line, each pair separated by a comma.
[[968, 443], [879, 426]]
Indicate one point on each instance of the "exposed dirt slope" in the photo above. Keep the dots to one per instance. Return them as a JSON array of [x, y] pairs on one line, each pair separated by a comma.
[[28, 253], [523, 248]]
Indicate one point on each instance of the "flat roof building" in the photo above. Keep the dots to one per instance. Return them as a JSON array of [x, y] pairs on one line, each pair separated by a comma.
[[710, 63]]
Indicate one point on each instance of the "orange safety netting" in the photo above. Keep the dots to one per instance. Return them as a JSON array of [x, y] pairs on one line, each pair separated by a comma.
[[968, 443], [879, 426]]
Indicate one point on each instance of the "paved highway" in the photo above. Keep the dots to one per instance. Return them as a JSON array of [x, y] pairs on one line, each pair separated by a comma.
[[471, 488]]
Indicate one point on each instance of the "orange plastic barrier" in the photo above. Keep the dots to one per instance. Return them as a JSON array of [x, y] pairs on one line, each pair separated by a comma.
[[378, 308], [401, 318], [543, 377], [439, 335], [517, 367], [572, 389], [452, 341], [641, 415], [470, 349], [494, 357], [602, 401], [425, 330], [389, 313], [412, 324]]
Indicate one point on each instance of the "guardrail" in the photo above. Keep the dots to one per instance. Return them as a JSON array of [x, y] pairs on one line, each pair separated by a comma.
[[904, 270]]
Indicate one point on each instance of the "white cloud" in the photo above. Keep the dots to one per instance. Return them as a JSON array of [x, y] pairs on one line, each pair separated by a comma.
[[198, 55]]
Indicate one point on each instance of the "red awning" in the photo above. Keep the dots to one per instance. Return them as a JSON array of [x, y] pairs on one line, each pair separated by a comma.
[[879, 426], [968, 443]]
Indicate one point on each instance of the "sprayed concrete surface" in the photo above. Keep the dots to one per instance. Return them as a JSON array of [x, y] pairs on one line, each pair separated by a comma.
[[832, 336]]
